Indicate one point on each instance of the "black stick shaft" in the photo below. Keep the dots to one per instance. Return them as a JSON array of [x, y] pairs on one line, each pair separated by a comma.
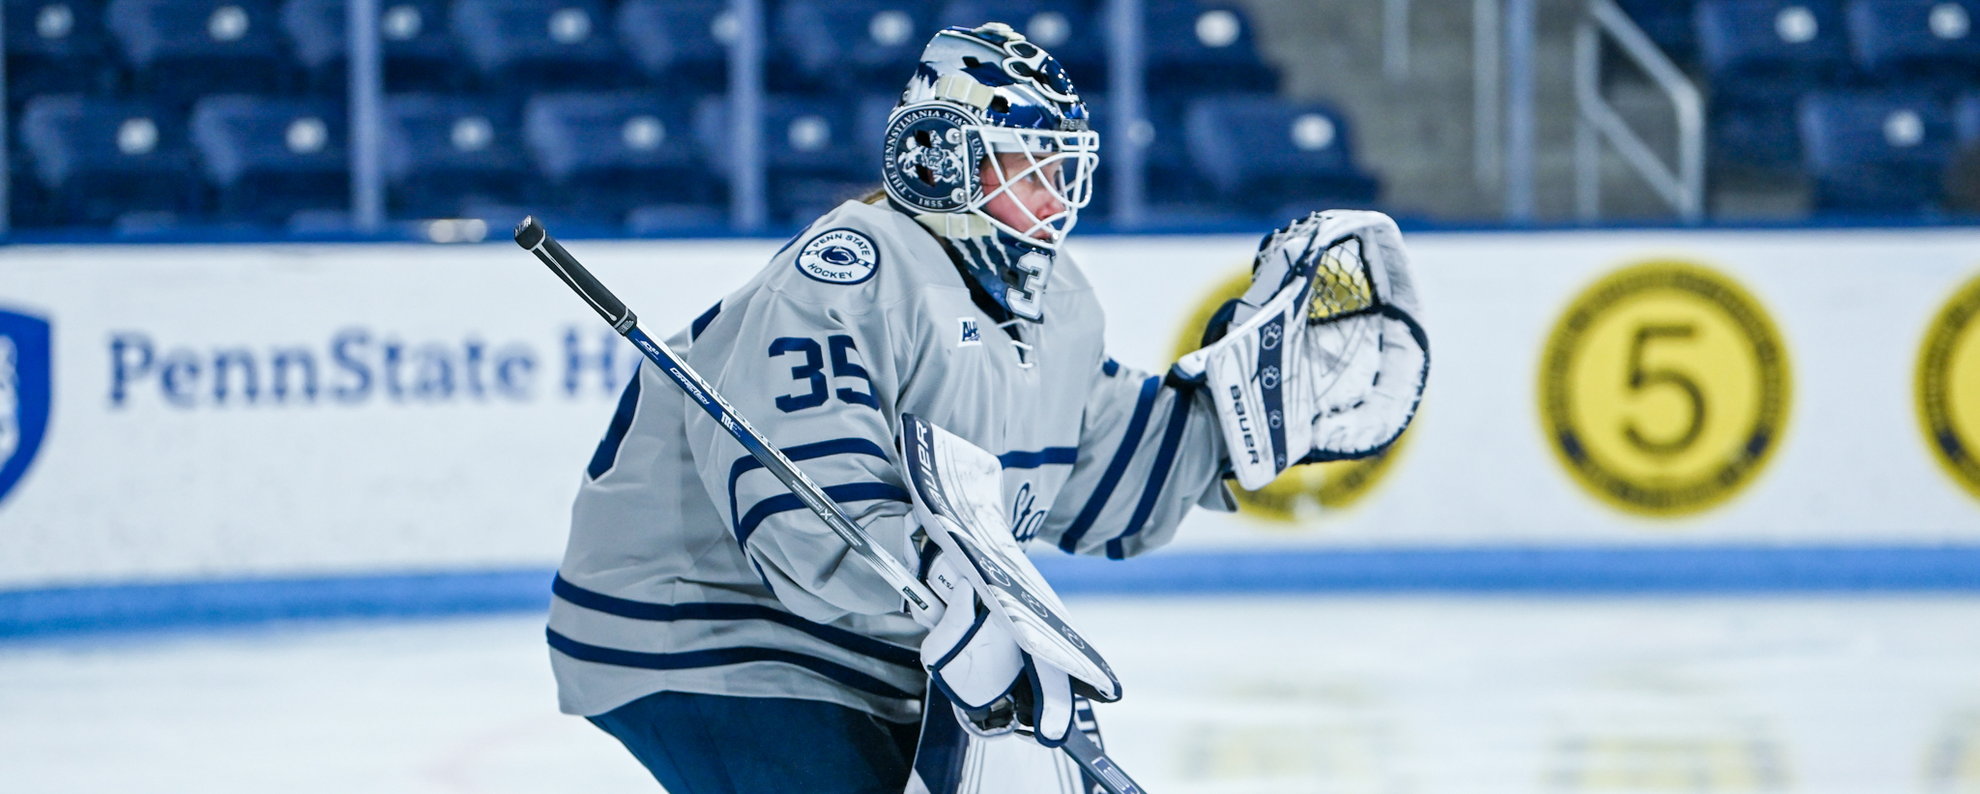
[[531, 235]]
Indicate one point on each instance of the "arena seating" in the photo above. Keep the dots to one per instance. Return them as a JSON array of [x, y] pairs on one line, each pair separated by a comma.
[[1877, 152], [269, 159], [1860, 98], [1173, 186], [611, 109], [847, 46], [448, 155], [812, 159], [1966, 118], [1923, 42], [603, 154], [1194, 47], [1759, 56], [178, 50], [679, 42], [1261, 153], [57, 46], [418, 50], [99, 160], [532, 45]]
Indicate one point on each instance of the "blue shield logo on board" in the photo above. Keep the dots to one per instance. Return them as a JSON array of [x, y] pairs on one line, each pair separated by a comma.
[[25, 378]]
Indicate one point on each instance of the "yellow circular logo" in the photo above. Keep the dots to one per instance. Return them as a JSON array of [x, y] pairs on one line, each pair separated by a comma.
[[1664, 389], [1949, 386], [1301, 491]]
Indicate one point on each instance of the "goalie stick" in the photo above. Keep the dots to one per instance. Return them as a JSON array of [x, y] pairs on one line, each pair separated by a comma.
[[531, 235]]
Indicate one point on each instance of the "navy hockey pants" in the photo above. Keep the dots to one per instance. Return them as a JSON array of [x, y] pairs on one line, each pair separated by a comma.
[[711, 744]]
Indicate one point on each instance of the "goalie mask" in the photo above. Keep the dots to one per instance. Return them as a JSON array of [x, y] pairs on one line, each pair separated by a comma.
[[978, 94]]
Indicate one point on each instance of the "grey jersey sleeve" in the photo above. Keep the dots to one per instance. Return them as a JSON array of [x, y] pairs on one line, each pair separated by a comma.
[[1147, 452], [816, 380]]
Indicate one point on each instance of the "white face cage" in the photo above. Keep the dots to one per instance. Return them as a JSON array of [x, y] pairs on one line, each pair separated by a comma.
[[1061, 162]]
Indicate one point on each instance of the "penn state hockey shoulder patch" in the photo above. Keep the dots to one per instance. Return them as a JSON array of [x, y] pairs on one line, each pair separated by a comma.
[[839, 256]]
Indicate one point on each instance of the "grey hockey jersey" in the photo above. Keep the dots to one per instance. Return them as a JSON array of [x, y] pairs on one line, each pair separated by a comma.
[[691, 569]]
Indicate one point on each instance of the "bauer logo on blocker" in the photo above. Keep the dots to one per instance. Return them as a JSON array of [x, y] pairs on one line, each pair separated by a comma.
[[24, 394], [839, 256]]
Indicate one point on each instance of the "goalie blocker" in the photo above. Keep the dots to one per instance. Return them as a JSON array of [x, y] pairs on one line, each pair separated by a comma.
[[1323, 358], [1004, 653]]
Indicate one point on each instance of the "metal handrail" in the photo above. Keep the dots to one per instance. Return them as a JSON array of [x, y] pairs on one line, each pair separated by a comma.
[[1683, 187]]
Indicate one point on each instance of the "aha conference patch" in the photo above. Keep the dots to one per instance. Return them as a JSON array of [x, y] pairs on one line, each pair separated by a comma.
[[839, 256]]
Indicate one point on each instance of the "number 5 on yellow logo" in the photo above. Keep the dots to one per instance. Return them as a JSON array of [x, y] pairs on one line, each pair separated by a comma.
[[1949, 387], [1664, 389]]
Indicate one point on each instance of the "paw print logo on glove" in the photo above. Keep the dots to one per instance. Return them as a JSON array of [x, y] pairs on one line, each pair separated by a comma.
[[1033, 602]]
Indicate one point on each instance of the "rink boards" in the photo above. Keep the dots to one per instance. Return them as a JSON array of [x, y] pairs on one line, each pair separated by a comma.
[[1710, 410]]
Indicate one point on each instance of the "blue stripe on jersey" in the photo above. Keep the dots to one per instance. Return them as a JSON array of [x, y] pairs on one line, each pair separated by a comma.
[[838, 446], [1165, 458], [641, 610], [615, 434], [720, 657], [1044, 457], [701, 323], [1137, 424], [849, 492]]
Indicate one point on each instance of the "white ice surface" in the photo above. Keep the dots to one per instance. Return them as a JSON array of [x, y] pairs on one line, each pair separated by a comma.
[[1228, 695]]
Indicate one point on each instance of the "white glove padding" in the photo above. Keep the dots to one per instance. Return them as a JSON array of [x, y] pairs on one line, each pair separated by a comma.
[[1324, 359], [958, 497], [973, 660], [970, 653]]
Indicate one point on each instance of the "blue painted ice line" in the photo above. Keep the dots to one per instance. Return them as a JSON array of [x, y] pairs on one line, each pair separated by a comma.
[[1553, 571]]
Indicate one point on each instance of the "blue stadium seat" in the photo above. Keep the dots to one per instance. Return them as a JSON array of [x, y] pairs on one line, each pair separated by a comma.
[[1169, 177], [1916, 40], [1194, 46], [272, 157], [605, 153], [1668, 23], [1760, 55], [682, 44], [1966, 118], [848, 46], [180, 49], [535, 45], [57, 46], [100, 159], [1794, 42], [1068, 30], [1875, 152], [417, 49], [813, 157], [447, 155], [1263, 154]]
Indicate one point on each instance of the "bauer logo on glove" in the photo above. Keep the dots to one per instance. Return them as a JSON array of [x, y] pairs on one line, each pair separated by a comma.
[[1325, 347]]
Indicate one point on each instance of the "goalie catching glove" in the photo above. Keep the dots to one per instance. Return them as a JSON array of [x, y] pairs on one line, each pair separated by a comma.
[[1323, 357], [1002, 650]]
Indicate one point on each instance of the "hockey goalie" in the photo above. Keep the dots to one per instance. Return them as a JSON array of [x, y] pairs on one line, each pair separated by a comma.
[[932, 360]]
